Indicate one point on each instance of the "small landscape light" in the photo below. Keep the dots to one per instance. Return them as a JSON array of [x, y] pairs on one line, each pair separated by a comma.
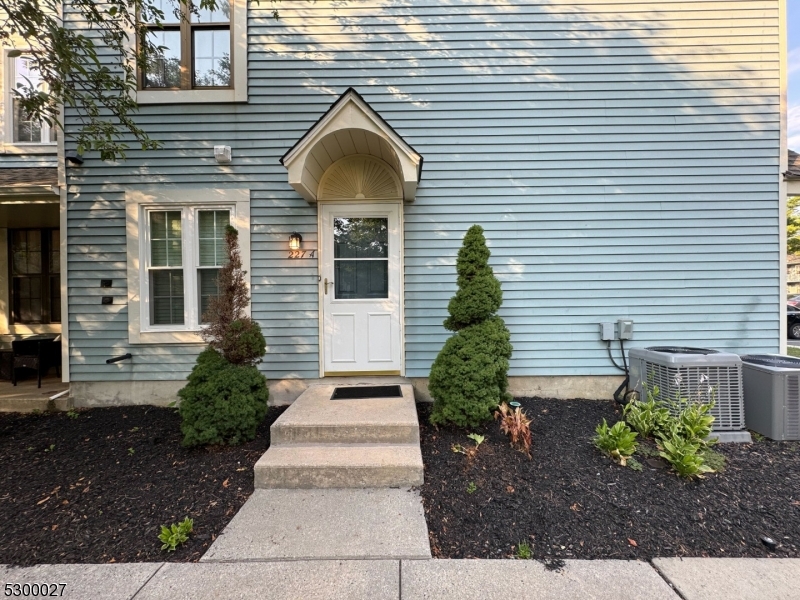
[[295, 240], [514, 404]]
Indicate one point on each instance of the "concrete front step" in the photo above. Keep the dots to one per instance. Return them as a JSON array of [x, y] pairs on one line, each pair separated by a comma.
[[339, 466], [316, 419]]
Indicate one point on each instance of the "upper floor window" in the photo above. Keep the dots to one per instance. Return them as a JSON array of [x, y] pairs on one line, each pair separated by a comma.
[[192, 47], [23, 76]]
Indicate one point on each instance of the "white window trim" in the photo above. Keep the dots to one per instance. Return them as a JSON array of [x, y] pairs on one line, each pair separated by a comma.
[[8, 114], [239, 65], [137, 203]]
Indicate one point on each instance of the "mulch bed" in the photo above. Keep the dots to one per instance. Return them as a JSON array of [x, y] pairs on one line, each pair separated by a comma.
[[97, 488], [570, 501]]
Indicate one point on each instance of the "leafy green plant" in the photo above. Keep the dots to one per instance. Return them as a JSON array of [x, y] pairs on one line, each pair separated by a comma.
[[131, 451], [469, 377], [515, 424], [618, 441], [176, 534], [471, 487], [478, 439], [73, 414], [684, 456], [524, 551], [757, 437], [695, 423], [51, 448], [646, 418]]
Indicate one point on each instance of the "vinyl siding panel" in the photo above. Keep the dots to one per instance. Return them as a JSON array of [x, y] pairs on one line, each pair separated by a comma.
[[622, 156]]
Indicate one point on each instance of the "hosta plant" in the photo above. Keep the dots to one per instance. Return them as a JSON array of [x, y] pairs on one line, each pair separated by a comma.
[[684, 456], [647, 418], [515, 424], [176, 534], [619, 442]]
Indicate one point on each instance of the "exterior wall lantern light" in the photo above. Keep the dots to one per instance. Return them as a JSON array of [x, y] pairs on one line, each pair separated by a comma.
[[295, 240]]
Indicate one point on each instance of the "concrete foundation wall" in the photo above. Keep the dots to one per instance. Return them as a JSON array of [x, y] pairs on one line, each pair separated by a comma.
[[286, 391]]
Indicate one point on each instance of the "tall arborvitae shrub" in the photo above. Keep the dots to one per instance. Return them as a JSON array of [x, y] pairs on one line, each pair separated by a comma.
[[469, 378], [226, 396]]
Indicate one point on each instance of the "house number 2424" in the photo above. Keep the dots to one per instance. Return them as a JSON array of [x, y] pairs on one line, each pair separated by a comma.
[[302, 254]]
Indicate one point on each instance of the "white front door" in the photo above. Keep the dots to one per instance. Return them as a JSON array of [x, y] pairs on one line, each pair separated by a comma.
[[360, 283]]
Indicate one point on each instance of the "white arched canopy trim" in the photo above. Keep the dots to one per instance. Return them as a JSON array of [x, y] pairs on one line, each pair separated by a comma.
[[360, 176], [351, 128]]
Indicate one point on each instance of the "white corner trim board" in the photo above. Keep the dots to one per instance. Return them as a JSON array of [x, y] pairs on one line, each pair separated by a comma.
[[137, 203]]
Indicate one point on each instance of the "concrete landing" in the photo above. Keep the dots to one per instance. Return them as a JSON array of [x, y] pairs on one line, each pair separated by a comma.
[[315, 418], [325, 524], [362, 443]]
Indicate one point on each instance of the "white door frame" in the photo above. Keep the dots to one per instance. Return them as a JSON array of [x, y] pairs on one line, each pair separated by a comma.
[[361, 203]]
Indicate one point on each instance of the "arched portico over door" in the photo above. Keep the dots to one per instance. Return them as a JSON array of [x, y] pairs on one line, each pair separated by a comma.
[[360, 173]]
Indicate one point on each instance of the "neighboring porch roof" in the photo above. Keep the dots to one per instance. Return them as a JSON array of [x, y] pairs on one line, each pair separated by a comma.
[[350, 127], [28, 180]]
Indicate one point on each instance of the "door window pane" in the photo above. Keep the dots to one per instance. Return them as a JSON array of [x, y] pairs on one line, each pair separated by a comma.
[[211, 235], [163, 68], [212, 57], [165, 239], [360, 238], [355, 279], [166, 297]]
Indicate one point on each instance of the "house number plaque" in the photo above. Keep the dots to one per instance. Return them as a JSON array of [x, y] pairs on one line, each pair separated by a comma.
[[302, 254]]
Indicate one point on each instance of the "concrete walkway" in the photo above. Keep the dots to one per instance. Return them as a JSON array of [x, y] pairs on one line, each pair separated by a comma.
[[665, 579]]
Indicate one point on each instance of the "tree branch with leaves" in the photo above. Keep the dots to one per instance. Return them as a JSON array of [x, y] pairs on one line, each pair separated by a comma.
[[88, 55]]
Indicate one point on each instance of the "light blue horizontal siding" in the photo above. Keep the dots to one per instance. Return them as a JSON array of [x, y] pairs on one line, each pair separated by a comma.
[[622, 157]]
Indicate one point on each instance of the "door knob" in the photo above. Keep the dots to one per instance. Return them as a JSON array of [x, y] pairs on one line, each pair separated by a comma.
[[326, 285]]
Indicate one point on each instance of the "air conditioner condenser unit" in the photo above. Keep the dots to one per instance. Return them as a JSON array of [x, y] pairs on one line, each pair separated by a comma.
[[689, 373], [772, 395]]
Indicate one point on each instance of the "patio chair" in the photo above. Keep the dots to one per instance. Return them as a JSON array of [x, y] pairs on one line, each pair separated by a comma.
[[29, 354]]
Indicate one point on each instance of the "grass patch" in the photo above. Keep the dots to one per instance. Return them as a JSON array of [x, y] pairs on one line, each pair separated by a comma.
[[793, 351]]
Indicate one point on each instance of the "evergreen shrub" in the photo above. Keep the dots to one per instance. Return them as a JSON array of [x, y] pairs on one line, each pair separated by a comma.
[[469, 377], [222, 403], [226, 396]]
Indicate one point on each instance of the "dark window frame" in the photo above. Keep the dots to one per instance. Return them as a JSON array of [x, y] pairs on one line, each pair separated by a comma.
[[45, 276], [186, 28]]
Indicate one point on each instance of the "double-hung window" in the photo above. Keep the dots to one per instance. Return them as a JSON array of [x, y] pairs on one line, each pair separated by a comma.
[[185, 248], [22, 129], [176, 247], [193, 48]]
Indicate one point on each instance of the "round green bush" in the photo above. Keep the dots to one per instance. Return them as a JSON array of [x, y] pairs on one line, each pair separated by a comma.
[[222, 403], [468, 379]]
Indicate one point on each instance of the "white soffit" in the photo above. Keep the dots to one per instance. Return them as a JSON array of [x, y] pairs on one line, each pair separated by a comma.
[[350, 127]]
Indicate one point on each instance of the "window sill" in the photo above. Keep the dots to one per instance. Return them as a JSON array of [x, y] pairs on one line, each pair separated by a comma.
[[166, 337], [189, 96], [30, 149]]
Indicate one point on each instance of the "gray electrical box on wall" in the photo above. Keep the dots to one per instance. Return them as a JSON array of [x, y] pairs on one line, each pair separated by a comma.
[[624, 329], [606, 331]]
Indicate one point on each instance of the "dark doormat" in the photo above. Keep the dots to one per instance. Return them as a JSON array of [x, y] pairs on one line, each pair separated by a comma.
[[366, 391]]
